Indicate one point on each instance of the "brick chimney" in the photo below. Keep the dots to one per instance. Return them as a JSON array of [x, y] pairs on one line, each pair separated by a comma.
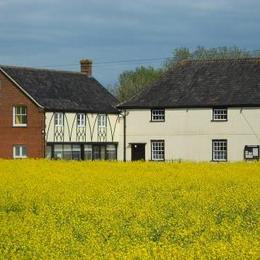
[[86, 67]]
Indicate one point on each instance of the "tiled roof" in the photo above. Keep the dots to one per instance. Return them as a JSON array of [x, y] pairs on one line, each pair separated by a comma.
[[232, 82], [62, 90]]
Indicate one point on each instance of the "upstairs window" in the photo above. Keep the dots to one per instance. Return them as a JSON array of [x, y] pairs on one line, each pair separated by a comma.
[[158, 150], [219, 150], [102, 120], [58, 119], [81, 120], [157, 115], [220, 114], [19, 151], [20, 116]]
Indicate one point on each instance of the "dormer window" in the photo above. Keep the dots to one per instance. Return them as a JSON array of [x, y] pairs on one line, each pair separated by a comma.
[[58, 119], [157, 115], [220, 114], [20, 116]]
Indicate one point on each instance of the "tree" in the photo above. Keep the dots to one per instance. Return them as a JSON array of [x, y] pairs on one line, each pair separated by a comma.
[[132, 82]]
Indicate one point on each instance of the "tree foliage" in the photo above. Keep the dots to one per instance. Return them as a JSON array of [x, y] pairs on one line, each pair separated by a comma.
[[132, 82]]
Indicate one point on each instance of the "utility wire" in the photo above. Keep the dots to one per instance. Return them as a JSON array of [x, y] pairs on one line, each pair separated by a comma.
[[115, 62]]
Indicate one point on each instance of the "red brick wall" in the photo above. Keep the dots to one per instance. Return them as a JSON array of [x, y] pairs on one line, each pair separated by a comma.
[[32, 136]]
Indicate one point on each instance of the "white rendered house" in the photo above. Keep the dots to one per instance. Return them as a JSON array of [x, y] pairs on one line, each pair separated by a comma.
[[198, 111]]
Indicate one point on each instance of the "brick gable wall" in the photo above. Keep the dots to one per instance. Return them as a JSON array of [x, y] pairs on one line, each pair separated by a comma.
[[33, 135]]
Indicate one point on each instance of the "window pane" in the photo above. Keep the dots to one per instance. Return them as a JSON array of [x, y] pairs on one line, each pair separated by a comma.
[[111, 152], [88, 152], [58, 151], [48, 152], [17, 151], [23, 151], [67, 153], [76, 152]]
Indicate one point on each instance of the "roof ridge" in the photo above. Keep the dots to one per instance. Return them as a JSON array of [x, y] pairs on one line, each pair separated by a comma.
[[218, 60], [41, 69]]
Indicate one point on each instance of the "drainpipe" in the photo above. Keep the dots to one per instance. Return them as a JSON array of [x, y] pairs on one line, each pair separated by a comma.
[[124, 117]]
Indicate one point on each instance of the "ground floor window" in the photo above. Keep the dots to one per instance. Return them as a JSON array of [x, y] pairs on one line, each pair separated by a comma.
[[19, 151], [219, 150], [158, 150], [90, 151]]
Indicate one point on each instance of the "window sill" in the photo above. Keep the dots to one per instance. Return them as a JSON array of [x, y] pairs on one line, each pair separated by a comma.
[[161, 121], [219, 161], [224, 120], [20, 125]]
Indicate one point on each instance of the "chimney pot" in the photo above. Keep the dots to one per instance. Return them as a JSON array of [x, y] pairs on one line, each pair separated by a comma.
[[86, 67]]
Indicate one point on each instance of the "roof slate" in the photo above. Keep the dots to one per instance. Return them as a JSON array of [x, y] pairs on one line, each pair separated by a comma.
[[62, 90], [232, 82]]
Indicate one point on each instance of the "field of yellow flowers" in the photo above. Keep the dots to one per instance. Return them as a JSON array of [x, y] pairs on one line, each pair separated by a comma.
[[92, 210]]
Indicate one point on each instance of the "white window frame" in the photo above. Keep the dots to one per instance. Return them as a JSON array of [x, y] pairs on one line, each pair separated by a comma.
[[220, 114], [20, 155], [157, 150], [158, 115], [21, 114], [81, 120], [58, 119], [102, 121], [219, 150]]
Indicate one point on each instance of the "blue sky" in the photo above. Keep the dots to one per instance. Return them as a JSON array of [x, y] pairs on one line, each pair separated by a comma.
[[58, 33]]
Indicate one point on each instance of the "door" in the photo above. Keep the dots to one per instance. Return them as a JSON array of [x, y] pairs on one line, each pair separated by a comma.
[[138, 152]]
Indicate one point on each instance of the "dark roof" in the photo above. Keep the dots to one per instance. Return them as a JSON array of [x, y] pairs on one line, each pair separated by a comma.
[[62, 90], [233, 82]]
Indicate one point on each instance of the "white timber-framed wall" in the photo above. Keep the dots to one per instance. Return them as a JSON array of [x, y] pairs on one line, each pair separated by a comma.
[[91, 133], [188, 132]]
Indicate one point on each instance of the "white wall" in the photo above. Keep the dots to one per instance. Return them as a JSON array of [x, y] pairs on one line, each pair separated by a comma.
[[69, 131], [188, 133]]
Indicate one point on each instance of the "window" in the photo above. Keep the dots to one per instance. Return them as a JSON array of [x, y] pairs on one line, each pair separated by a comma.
[[157, 115], [58, 119], [157, 148], [102, 120], [111, 152], [19, 151], [81, 120], [88, 152], [48, 152], [220, 114], [20, 116], [67, 151], [58, 151], [219, 150]]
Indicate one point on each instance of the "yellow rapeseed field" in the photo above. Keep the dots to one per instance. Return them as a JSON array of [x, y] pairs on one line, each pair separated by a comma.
[[113, 210]]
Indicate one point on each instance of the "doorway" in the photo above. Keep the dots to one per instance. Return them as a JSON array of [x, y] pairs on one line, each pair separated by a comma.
[[138, 152]]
